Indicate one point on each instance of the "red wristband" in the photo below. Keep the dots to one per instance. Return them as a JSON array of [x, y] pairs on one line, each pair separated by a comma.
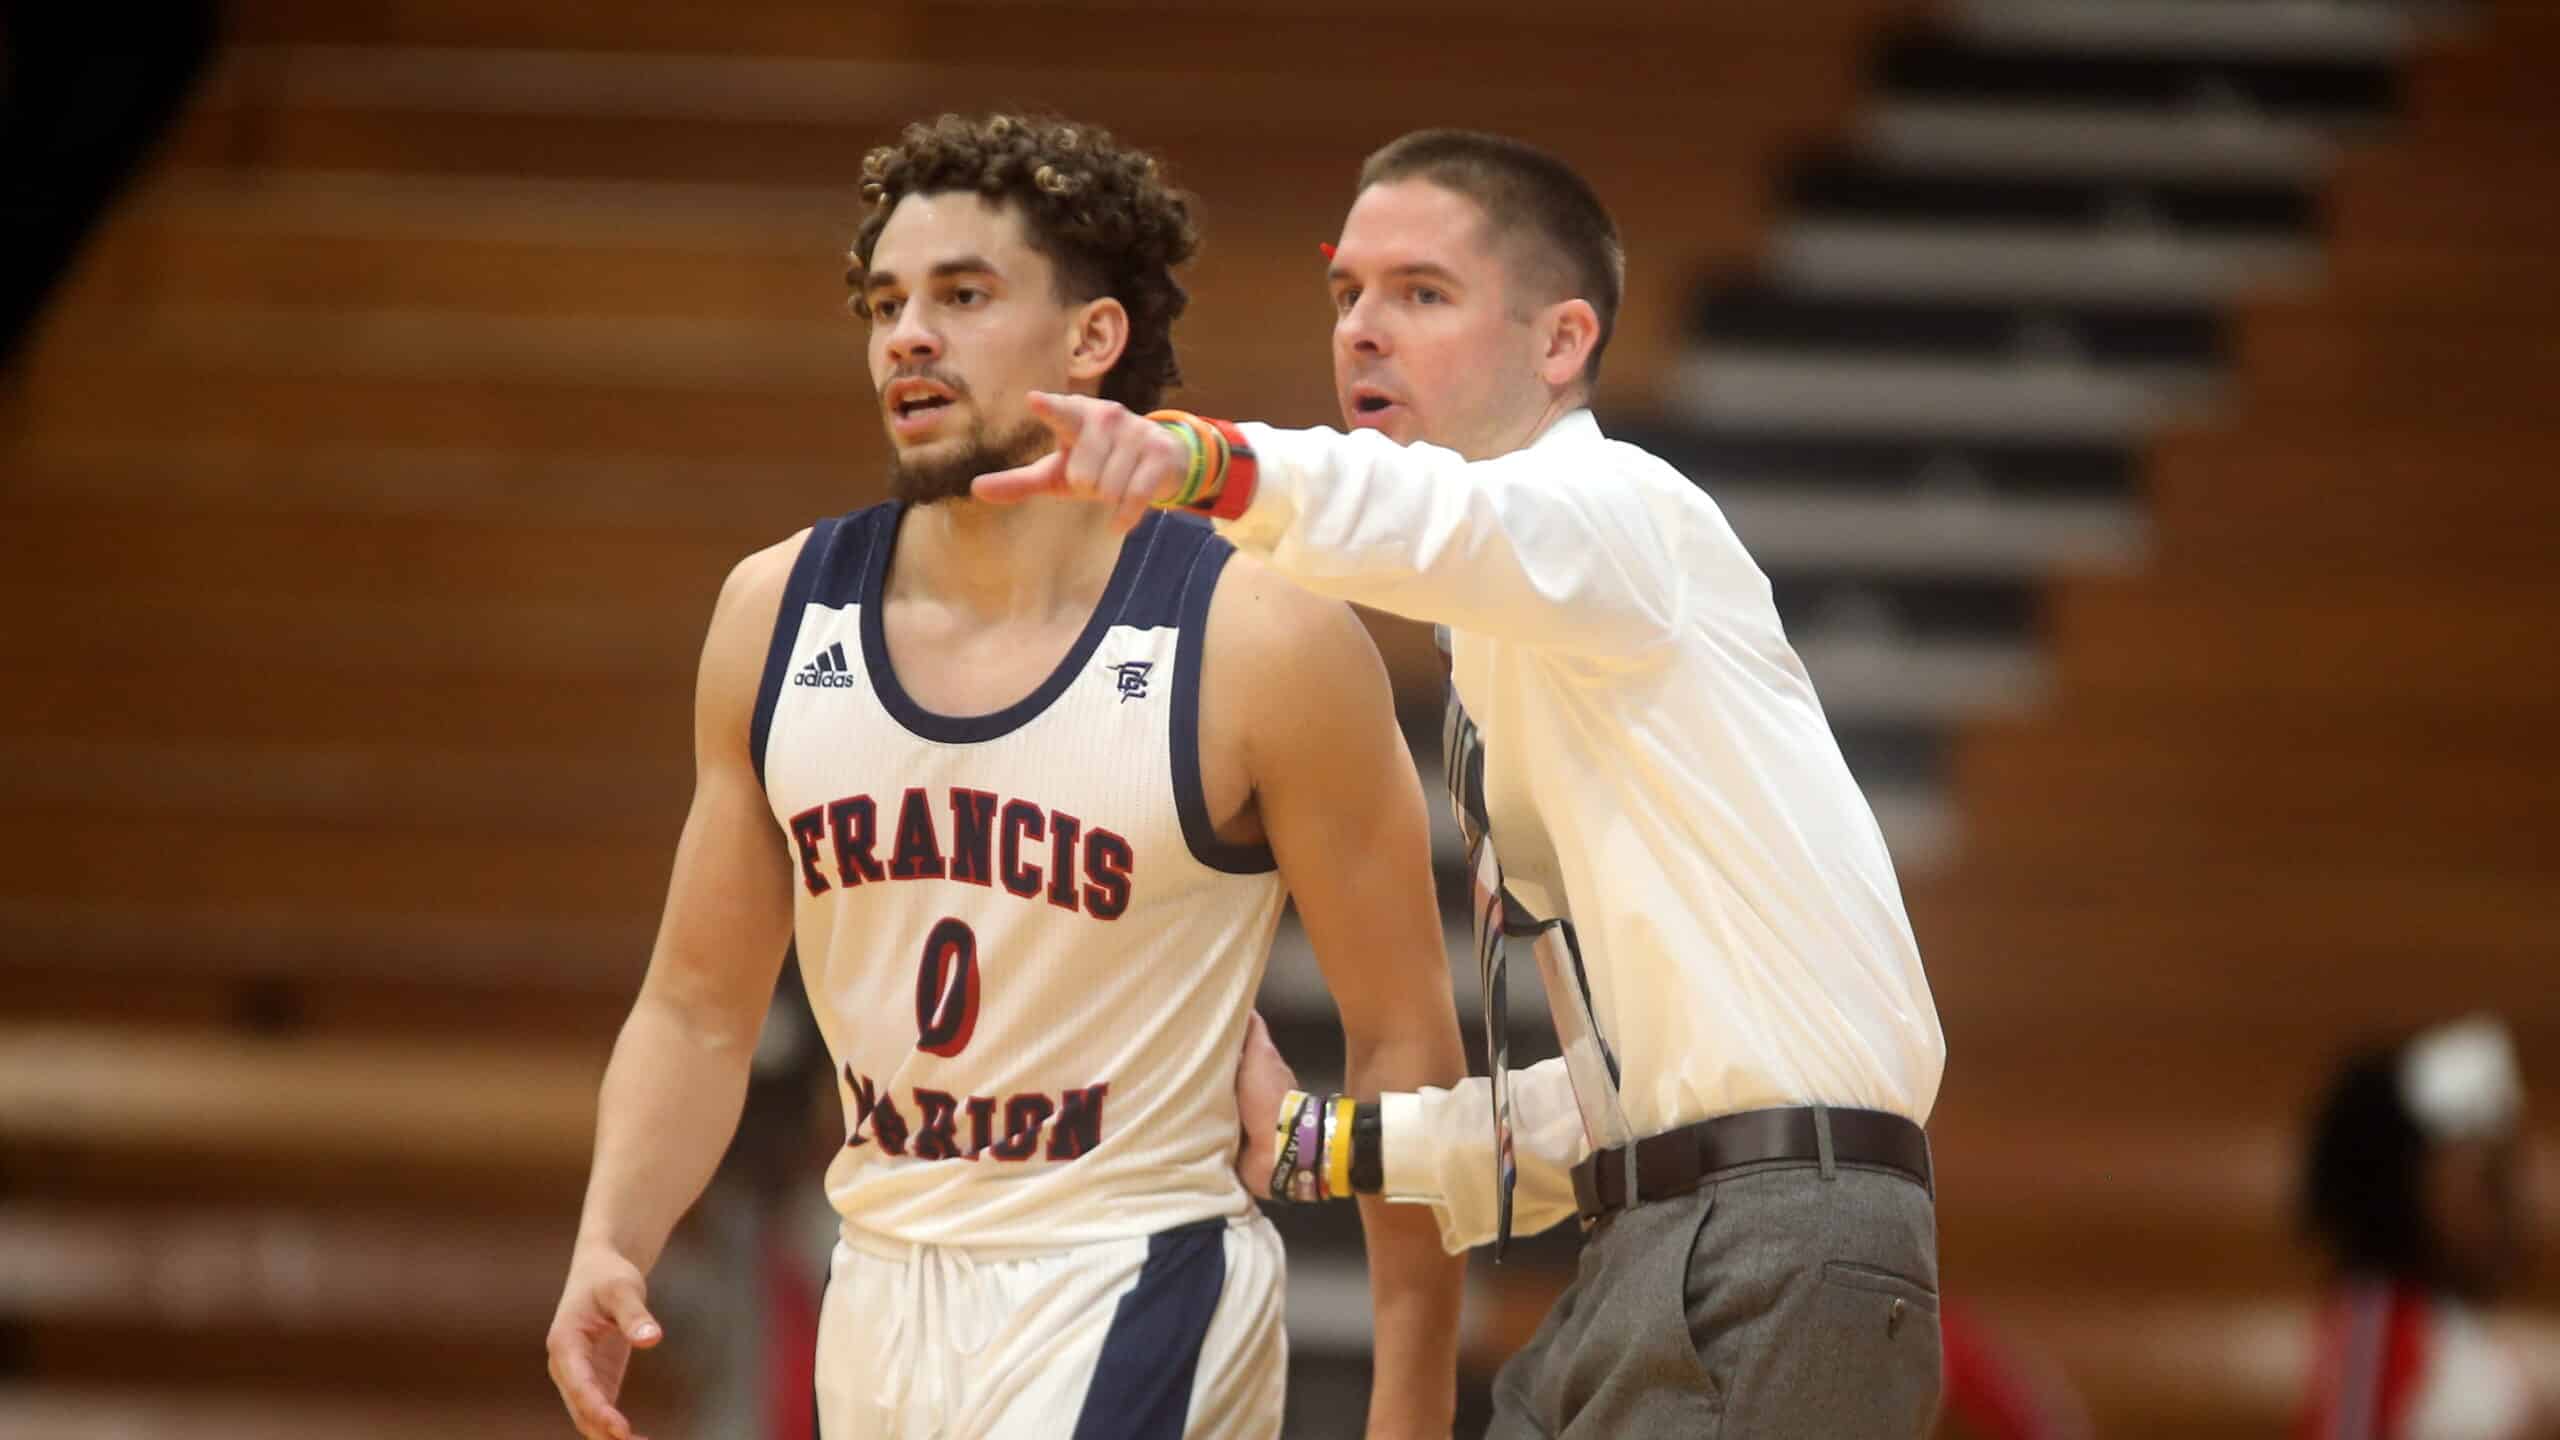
[[1244, 473]]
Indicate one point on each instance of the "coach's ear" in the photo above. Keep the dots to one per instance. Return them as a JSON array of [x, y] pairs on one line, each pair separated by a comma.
[[1568, 330], [1097, 336]]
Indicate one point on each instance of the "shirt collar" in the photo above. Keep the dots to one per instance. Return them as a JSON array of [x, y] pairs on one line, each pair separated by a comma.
[[1570, 427]]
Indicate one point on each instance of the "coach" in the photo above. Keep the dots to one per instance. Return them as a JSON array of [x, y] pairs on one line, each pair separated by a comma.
[[1749, 1044]]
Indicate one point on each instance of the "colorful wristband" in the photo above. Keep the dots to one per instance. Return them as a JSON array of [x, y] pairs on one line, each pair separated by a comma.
[[1224, 473], [1324, 1155], [1310, 1148], [1368, 1149], [1199, 483], [1196, 478], [1337, 1154], [1287, 1162], [1238, 479]]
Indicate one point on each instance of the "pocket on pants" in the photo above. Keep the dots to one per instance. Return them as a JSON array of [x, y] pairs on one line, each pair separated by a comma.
[[1687, 1301], [1881, 1329], [1876, 1280]]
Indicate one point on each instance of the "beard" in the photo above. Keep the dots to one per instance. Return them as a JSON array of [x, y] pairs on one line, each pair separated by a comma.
[[936, 478]]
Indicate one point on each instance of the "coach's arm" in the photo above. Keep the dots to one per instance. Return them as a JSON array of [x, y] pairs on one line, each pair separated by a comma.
[[678, 1079], [1339, 802], [1573, 544]]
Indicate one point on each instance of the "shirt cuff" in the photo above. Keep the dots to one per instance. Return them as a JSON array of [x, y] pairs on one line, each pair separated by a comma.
[[1274, 501], [1404, 1151]]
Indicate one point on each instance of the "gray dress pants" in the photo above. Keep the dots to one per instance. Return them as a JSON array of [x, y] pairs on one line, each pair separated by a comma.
[[1771, 1302]]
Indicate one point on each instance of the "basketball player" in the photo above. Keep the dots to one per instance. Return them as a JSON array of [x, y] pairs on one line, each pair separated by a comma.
[[1749, 1042], [1027, 793]]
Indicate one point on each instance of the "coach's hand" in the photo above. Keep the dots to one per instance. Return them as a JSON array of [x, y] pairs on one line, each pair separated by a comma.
[[1106, 453], [1263, 1079], [603, 1317]]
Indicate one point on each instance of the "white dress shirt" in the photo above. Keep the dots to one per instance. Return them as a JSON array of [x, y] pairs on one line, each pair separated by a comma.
[[1658, 771]]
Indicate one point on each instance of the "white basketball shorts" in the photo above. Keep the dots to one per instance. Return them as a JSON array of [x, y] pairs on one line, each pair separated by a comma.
[[1173, 1336]]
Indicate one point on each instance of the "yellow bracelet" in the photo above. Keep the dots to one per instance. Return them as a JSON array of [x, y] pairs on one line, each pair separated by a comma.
[[1337, 1156], [1194, 478], [1209, 456]]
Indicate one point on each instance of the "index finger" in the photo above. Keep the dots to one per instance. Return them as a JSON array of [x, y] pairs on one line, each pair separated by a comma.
[[1044, 476], [1063, 414]]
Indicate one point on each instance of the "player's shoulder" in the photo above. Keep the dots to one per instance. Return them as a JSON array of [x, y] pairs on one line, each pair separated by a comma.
[[1257, 607], [751, 599], [1278, 639], [770, 566], [757, 580]]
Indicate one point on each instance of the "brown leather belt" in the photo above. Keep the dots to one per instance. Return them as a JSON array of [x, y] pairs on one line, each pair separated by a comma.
[[1676, 1162]]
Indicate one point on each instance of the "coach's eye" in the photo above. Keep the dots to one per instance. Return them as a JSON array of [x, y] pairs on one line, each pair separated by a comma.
[[1343, 300], [1425, 295]]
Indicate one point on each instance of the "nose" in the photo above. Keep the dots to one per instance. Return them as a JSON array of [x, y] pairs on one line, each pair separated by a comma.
[[1357, 330], [911, 341]]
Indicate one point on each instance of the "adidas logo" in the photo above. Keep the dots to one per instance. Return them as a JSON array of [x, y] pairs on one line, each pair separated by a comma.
[[828, 671]]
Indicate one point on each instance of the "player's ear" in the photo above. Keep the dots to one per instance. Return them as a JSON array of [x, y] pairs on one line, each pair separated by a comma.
[[1097, 336], [1568, 328]]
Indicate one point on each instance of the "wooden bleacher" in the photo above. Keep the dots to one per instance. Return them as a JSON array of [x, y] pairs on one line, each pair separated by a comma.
[[2288, 792], [371, 483], [368, 489]]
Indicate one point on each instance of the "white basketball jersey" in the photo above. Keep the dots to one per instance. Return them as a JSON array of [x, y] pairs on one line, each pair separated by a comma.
[[1030, 955]]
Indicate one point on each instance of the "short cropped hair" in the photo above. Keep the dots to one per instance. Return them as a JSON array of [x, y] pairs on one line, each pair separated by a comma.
[[1526, 195], [1100, 211]]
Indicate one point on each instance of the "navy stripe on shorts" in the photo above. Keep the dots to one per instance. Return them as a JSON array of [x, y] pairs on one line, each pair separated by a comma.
[[1142, 1383]]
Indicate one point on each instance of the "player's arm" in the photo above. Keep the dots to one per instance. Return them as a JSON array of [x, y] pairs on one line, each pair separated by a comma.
[[678, 1078], [1342, 810], [1574, 548]]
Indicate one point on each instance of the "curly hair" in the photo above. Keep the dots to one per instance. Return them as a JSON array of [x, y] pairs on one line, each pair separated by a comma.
[[1100, 211]]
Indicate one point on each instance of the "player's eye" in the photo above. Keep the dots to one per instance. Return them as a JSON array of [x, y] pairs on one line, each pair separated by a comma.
[[968, 295], [1345, 298], [882, 308]]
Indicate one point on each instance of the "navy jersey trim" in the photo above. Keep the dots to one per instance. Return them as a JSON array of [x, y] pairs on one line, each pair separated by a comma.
[[1142, 1381], [1190, 795], [976, 729], [786, 633], [1157, 592]]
